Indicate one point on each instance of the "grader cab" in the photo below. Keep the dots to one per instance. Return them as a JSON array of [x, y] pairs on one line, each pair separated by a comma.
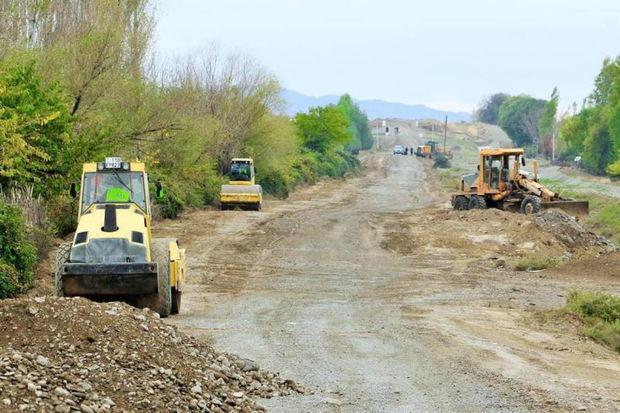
[[499, 182]]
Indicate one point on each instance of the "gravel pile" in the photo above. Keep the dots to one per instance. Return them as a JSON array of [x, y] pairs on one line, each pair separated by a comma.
[[568, 231], [70, 354]]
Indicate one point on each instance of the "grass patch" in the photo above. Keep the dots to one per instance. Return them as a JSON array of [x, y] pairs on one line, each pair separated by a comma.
[[558, 186], [536, 261], [450, 178], [600, 312]]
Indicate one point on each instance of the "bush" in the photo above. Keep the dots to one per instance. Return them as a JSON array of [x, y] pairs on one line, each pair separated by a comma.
[[275, 183], [601, 314], [441, 161], [170, 205], [18, 255], [536, 261]]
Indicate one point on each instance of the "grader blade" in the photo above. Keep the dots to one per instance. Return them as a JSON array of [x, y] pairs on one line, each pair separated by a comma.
[[579, 208]]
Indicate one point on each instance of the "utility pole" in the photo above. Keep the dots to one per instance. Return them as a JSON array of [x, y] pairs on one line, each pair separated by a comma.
[[445, 134]]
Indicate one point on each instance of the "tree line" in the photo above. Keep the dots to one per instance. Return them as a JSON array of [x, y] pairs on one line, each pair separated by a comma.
[[78, 83], [591, 132]]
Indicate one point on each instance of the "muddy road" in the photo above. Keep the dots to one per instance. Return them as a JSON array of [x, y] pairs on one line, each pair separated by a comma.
[[369, 293]]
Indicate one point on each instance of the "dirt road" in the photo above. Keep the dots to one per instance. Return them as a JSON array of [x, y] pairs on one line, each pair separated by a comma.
[[371, 293]]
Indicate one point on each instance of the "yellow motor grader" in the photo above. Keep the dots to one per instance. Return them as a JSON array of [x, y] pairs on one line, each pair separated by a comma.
[[499, 184], [242, 190], [113, 255]]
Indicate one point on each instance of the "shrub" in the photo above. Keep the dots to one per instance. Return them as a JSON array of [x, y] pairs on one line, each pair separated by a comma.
[[601, 314], [17, 254], [170, 205], [536, 261], [275, 183], [35, 212], [441, 161]]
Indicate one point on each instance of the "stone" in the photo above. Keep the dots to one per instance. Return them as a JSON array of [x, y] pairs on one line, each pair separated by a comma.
[[247, 365], [43, 361], [62, 408], [86, 409], [61, 391], [197, 389]]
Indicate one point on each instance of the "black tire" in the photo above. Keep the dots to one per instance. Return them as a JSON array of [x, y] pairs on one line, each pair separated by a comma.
[[530, 205], [477, 202], [160, 302], [460, 203], [176, 301], [62, 256]]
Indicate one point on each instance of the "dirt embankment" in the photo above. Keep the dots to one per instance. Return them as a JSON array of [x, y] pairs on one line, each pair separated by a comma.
[[67, 355]]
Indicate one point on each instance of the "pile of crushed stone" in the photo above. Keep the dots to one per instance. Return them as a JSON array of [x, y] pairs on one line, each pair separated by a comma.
[[74, 355], [568, 231]]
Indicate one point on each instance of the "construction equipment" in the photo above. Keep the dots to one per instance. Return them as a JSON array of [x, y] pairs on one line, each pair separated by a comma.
[[496, 184], [113, 255], [424, 151], [242, 190], [436, 149]]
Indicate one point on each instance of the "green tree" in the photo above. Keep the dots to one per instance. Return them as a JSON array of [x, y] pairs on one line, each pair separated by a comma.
[[323, 128], [606, 84], [598, 146], [488, 111], [519, 117], [547, 124], [35, 126], [359, 129]]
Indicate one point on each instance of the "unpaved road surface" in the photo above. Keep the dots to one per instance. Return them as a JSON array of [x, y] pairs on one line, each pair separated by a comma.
[[374, 295]]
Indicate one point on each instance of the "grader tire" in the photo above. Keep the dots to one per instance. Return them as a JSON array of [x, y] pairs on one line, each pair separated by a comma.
[[477, 202], [530, 205], [160, 302], [461, 203], [62, 256]]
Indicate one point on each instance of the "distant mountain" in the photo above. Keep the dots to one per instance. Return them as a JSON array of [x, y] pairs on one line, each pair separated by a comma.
[[297, 102]]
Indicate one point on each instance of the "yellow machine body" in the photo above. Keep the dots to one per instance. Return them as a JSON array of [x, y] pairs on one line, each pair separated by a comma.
[[112, 253], [242, 190], [500, 184], [424, 151]]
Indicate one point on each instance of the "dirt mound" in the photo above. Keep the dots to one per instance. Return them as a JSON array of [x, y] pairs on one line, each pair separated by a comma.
[[490, 236], [59, 354], [567, 230]]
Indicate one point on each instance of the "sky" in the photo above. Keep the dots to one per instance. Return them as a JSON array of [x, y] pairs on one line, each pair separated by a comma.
[[447, 54]]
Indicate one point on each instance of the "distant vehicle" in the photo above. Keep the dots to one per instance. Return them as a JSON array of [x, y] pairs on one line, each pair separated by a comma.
[[399, 150], [355, 151]]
